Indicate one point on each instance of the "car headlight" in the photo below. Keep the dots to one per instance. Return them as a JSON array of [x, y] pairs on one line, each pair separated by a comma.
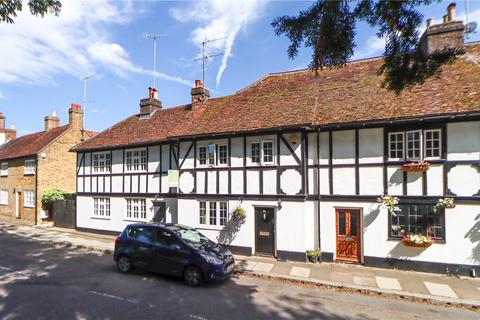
[[211, 259]]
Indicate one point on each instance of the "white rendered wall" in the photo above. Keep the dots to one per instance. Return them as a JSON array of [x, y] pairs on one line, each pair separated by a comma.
[[461, 247]]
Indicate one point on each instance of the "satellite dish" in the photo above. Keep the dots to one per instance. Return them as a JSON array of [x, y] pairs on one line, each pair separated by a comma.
[[471, 27]]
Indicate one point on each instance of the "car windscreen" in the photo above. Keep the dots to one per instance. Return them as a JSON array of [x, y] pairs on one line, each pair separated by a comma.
[[193, 237]]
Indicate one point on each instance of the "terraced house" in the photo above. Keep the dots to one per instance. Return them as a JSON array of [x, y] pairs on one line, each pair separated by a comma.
[[32, 163], [306, 156]]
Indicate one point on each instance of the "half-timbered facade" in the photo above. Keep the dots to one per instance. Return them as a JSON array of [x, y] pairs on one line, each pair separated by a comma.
[[306, 156]]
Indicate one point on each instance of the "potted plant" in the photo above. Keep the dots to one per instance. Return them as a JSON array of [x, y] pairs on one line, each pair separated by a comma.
[[389, 202], [446, 203], [239, 215], [416, 166], [416, 240], [313, 255]]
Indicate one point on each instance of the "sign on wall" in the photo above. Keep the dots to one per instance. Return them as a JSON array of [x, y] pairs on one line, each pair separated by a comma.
[[173, 178]]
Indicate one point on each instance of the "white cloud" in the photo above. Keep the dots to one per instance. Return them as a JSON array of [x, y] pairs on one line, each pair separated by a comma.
[[75, 43], [97, 110], [374, 47], [218, 19], [1, 95]]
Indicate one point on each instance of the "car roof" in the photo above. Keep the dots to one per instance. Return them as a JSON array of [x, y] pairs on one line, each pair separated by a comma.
[[158, 224]]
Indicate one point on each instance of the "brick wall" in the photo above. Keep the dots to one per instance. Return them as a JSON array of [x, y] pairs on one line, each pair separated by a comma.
[[17, 181], [58, 169]]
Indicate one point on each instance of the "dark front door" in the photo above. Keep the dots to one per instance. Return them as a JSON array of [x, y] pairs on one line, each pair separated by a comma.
[[160, 212], [265, 231], [348, 235]]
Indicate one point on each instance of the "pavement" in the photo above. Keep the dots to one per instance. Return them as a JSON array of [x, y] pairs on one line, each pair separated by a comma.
[[418, 286], [41, 280]]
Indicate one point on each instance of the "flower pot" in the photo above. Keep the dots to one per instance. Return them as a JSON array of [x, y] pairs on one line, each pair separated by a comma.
[[313, 259], [412, 244]]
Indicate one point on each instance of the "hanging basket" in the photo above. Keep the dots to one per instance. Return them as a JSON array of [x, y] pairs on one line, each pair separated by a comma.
[[416, 166], [408, 243]]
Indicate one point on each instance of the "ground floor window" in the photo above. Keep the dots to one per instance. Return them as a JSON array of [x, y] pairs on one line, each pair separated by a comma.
[[213, 213], [136, 209], [29, 199], [4, 197], [101, 207], [418, 218]]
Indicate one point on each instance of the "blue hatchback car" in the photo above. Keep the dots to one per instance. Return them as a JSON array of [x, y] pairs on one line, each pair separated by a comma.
[[172, 249]]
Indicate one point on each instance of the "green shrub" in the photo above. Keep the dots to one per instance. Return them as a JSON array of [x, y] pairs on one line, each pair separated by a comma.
[[53, 194]]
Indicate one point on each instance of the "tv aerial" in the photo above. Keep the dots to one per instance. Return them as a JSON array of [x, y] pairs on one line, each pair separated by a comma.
[[205, 57]]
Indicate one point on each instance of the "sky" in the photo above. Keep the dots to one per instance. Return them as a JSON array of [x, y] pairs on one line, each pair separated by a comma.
[[42, 60]]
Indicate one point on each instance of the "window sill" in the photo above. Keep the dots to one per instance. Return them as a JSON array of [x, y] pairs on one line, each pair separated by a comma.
[[3, 204], [29, 174], [134, 220], [100, 218], [400, 240], [32, 207]]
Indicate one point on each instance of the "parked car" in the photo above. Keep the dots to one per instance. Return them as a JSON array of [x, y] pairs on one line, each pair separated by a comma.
[[172, 249]]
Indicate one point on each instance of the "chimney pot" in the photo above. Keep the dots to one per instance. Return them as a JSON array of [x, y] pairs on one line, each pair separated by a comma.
[[200, 94], [2, 121], [12, 126], [150, 104], [51, 122], [451, 9]]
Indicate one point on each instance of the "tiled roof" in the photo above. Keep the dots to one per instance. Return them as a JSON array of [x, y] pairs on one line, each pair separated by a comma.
[[29, 144], [353, 93]]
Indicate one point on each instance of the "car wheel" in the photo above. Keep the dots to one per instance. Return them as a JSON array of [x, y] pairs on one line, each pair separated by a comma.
[[124, 264], [193, 276]]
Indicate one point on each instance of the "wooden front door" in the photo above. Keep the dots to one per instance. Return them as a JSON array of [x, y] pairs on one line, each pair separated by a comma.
[[19, 204], [348, 235], [265, 231]]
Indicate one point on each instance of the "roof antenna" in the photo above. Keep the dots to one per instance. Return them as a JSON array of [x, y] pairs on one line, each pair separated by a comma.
[[205, 57], [469, 26], [154, 37], [84, 79]]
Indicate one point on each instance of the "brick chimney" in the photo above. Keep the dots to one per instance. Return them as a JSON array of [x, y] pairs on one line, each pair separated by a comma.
[[446, 35], [200, 94], [151, 104], [51, 121], [75, 116], [2, 121]]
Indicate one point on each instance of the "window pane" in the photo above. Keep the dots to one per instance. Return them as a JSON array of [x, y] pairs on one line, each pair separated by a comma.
[[396, 145], [203, 212], [341, 223], [267, 151], [211, 154], [223, 154], [419, 218], [255, 156], [413, 145], [223, 213], [432, 143], [202, 156], [353, 224], [213, 213]]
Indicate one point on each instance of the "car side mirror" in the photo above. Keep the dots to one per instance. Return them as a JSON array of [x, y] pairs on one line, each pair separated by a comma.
[[176, 247]]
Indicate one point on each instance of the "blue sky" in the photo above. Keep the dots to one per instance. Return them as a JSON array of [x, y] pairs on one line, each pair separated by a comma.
[[42, 60]]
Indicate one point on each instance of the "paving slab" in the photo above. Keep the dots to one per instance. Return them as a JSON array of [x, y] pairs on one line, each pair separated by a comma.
[[341, 277], [388, 283], [440, 289], [263, 267], [364, 281], [300, 272]]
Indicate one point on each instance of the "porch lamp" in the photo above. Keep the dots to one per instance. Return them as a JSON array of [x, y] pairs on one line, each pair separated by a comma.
[[279, 204]]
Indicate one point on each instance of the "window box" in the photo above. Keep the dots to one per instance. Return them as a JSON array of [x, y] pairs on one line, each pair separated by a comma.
[[417, 241], [416, 166]]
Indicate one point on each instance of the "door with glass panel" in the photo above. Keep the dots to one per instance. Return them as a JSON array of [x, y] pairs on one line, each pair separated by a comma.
[[348, 234]]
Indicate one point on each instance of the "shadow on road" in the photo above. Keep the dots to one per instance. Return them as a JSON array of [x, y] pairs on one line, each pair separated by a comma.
[[44, 281]]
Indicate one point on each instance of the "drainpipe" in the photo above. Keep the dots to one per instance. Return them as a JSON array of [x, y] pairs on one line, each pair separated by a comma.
[[318, 191]]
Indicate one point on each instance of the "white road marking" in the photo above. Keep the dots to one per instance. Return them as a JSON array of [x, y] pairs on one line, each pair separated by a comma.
[[111, 296], [440, 289], [300, 272], [5, 268], [388, 283]]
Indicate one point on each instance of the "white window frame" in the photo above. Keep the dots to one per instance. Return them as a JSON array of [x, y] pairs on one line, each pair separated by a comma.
[[205, 160], [205, 207], [29, 167], [390, 134], [28, 199], [101, 165], [200, 159], [101, 207], [4, 197], [259, 162], [4, 169], [130, 165], [420, 145], [219, 146], [439, 144], [136, 205], [262, 153]]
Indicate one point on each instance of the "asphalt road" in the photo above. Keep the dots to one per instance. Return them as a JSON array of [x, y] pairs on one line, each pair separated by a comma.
[[44, 281]]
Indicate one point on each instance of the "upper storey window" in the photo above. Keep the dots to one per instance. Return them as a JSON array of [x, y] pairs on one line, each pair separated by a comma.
[[261, 152], [136, 160], [102, 162], [213, 154], [415, 145]]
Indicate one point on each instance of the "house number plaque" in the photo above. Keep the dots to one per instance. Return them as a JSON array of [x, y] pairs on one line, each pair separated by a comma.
[[264, 233]]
